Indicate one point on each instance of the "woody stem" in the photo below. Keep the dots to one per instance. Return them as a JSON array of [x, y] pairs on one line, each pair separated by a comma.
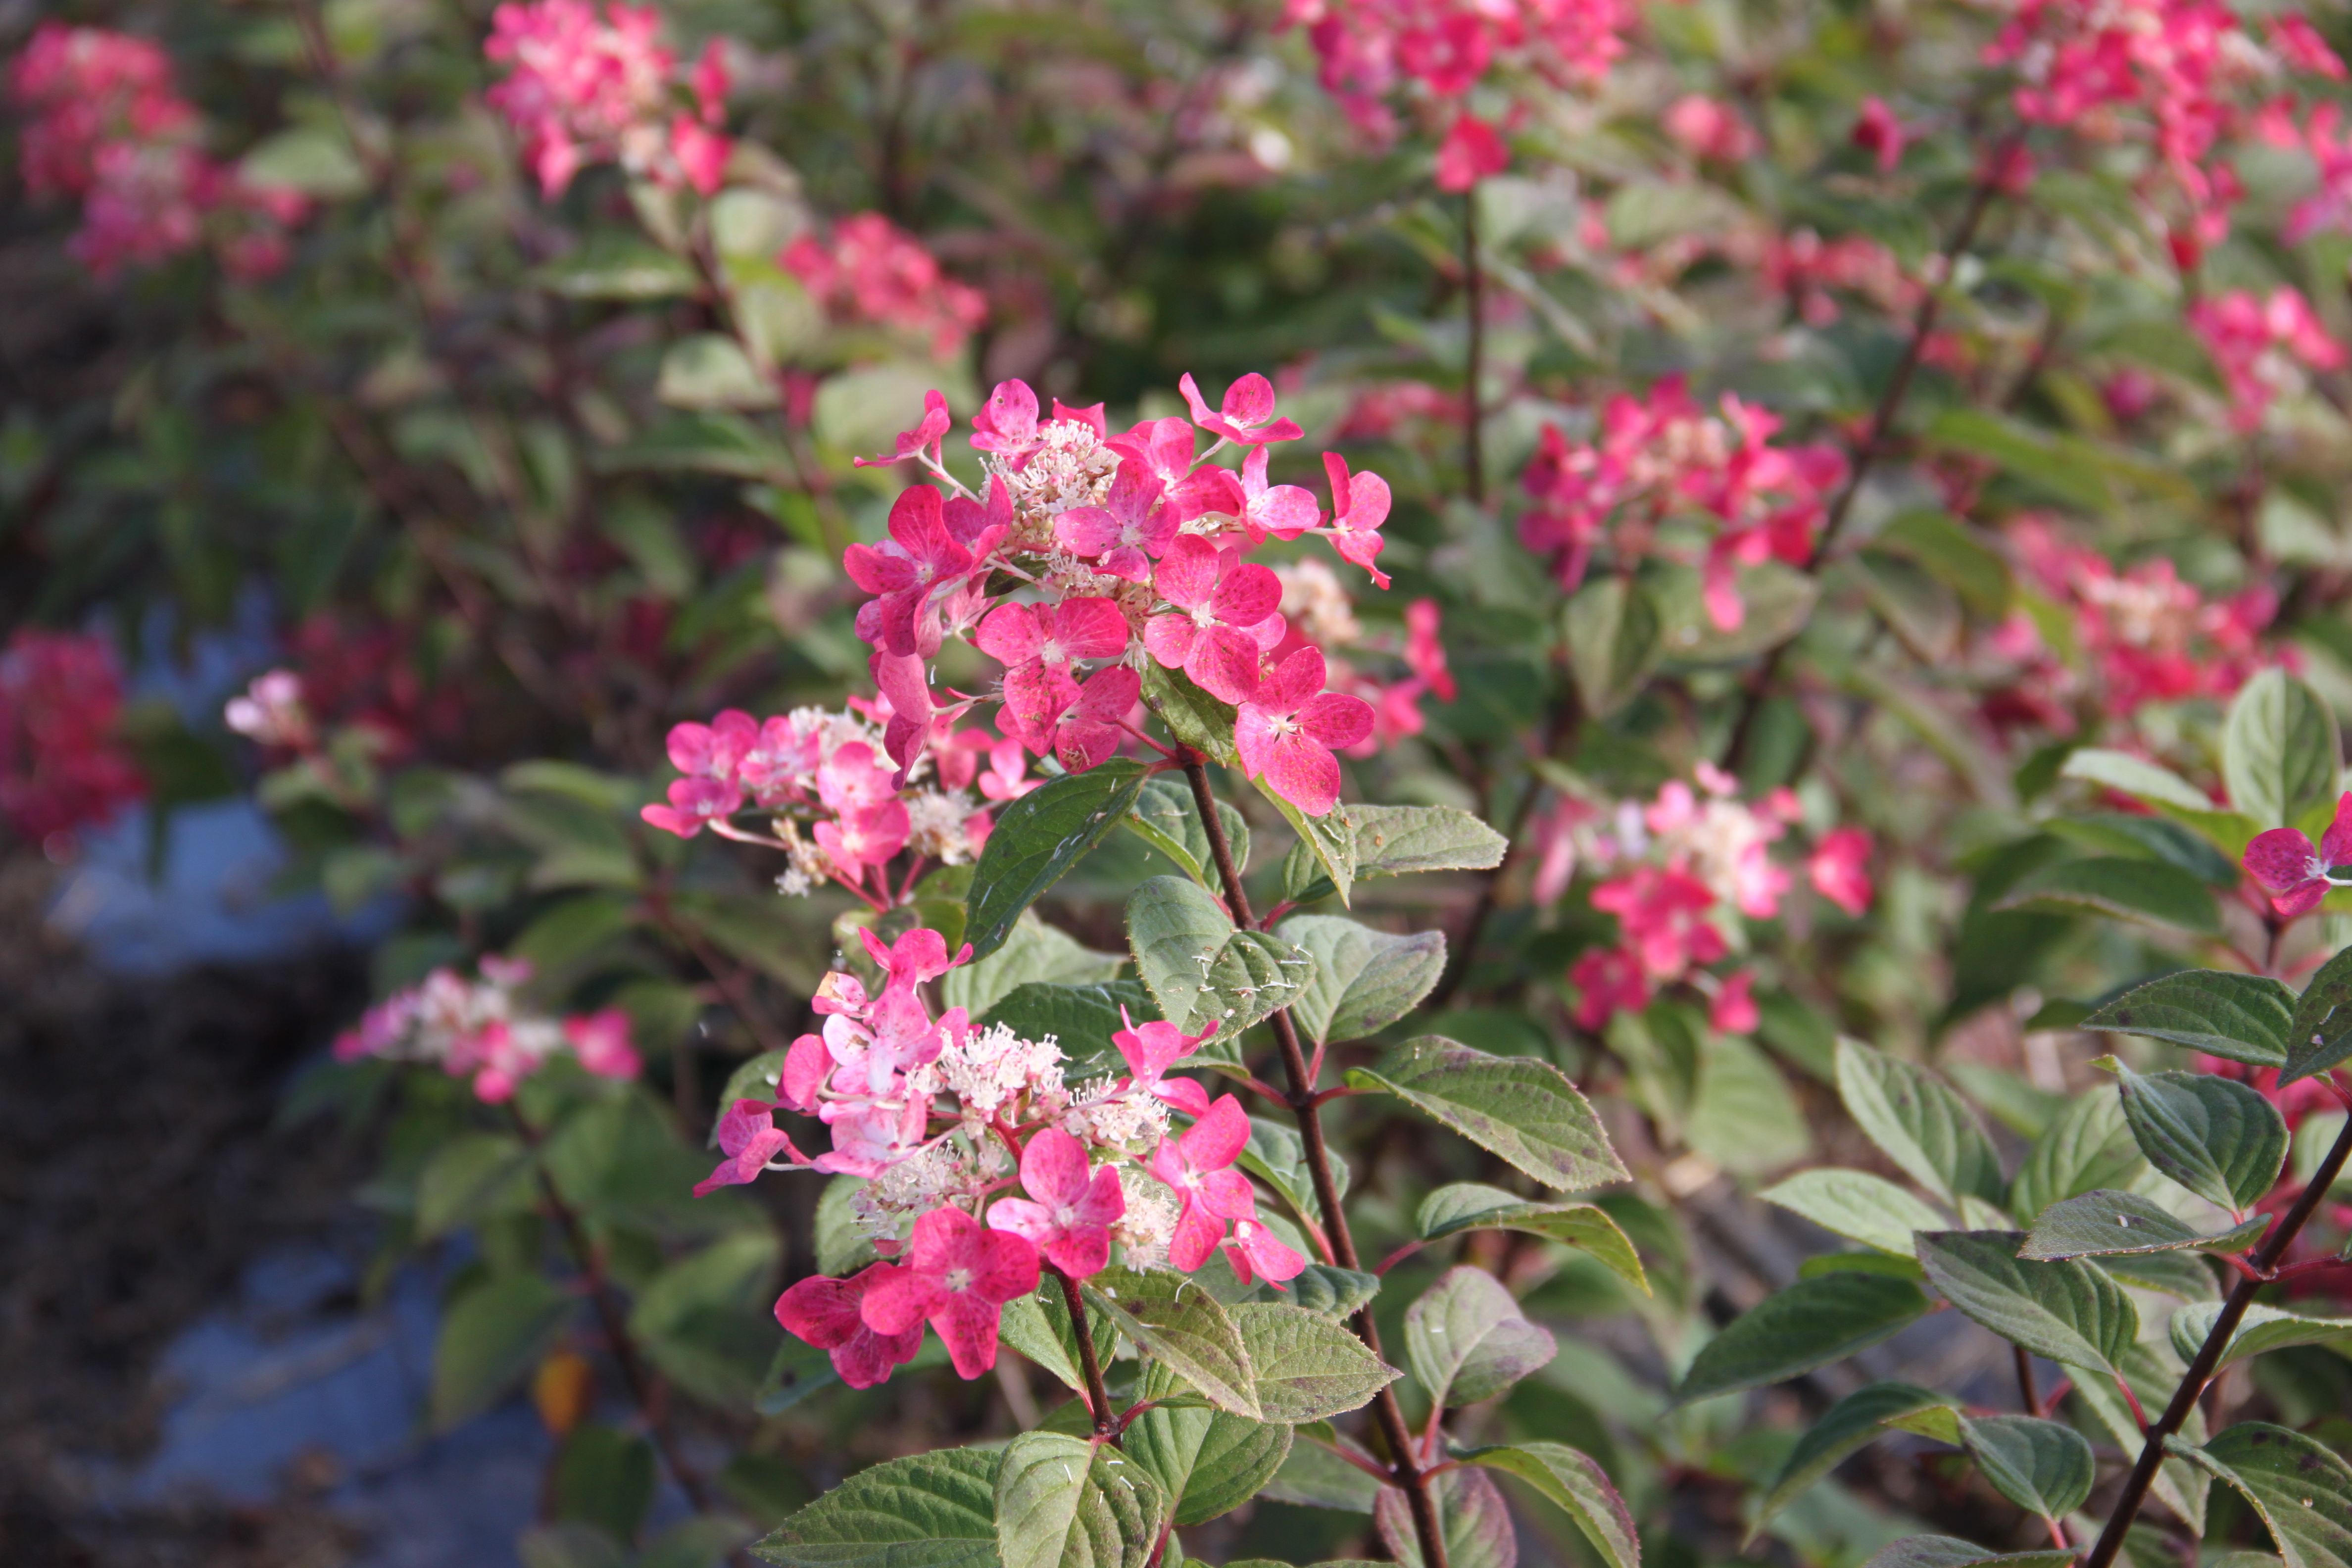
[[1405, 1466], [1097, 1396]]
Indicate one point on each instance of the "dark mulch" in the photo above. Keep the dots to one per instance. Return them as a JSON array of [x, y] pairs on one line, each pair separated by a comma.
[[139, 1174]]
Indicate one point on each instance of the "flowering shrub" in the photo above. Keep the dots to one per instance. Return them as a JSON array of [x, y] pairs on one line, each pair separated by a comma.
[[1039, 919]]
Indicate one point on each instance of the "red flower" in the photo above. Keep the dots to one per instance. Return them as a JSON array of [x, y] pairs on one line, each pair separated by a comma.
[[958, 1276], [827, 1314], [1359, 506], [1219, 603], [1247, 416], [1037, 643], [1091, 730], [1194, 1165], [750, 1137], [1067, 1214], [1839, 869], [1471, 151], [1151, 1050], [2297, 877], [1129, 530], [1288, 732]]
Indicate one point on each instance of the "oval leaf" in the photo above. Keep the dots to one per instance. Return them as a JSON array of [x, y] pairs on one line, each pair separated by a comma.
[[2245, 1017], [2220, 1139], [1038, 838], [1523, 1110], [1810, 1323], [2069, 1312]]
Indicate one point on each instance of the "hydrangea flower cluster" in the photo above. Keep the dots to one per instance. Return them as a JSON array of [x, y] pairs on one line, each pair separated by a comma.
[[874, 273], [2180, 74], [2264, 347], [1128, 549], [478, 1030], [835, 809], [983, 1166], [590, 83], [2296, 873], [1443, 48], [1665, 458], [106, 124], [2146, 635], [62, 763], [1677, 872]]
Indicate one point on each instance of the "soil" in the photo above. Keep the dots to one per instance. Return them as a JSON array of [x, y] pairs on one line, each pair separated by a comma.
[[140, 1171]]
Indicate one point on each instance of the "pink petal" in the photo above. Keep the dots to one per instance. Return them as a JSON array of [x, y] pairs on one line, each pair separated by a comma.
[[1249, 595], [1009, 633], [1008, 1266], [805, 1065], [1263, 1251], [1054, 1167], [1187, 573], [1106, 1200], [2281, 860], [1218, 1139], [825, 1312], [1250, 400], [1024, 1218], [1336, 719], [1088, 530], [1227, 1195], [1090, 628], [1080, 1252], [898, 1302], [1185, 1094], [1193, 401], [1295, 680], [1257, 731], [1128, 561], [2335, 843], [1225, 664], [967, 1325], [1196, 1236], [1167, 639], [1306, 774]]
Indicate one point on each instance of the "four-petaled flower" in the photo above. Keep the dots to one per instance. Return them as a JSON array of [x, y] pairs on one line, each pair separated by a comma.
[[1247, 416], [921, 559], [1037, 643], [1067, 1214], [1129, 532], [2295, 875], [1221, 604], [827, 1314], [957, 1277], [1288, 732], [1839, 869], [1194, 1166], [750, 1137], [1093, 726], [1151, 1050], [1360, 504], [1256, 1251]]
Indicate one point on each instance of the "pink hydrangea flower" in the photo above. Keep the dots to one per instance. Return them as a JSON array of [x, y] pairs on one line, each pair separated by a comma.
[[1709, 128], [1663, 914], [957, 1276], [600, 1041], [2297, 876], [875, 273], [1733, 1010], [1151, 1050], [1360, 504], [1195, 1166], [1129, 532], [1876, 129], [1037, 643], [1839, 869], [1608, 981], [1068, 1213], [1094, 726], [694, 804], [748, 1137], [1220, 602], [1255, 1251], [1288, 732], [921, 560], [1282, 511], [924, 442], [1007, 424], [2263, 346], [1247, 416], [829, 1314], [1472, 151]]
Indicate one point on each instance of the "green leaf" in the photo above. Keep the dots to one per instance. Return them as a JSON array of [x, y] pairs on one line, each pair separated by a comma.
[[490, 1338], [1327, 841], [2102, 1224], [1468, 1340], [2168, 792], [1950, 1552], [1306, 1367], [1209, 1461], [309, 158], [2281, 753], [1315, 1477], [1038, 1326], [2040, 1466], [1199, 969], [1472, 1520], [1330, 1291], [2145, 890], [1857, 1206], [709, 369], [2069, 1312], [1364, 979], [1038, 838], [1522, 1109], [2300, 1489], [1954, 554], [1165, 817], [473, 1174], [2089, 1146], [1578, 1486], [1199, 721], [1403, 840], [2320, 1037], [2262, 1329], [1083, 1017], [1846, 1427], [2153, 1372], [2218, 1138], [1810, 1323], [1277, 1152], [1062, 1502], [1177, 1322], [1473, 1205], [2245, 1017], [1919, 1123], [1034, 954], [930, 1510], [2144, 837], [616, 266], [2027, 452], [713, 442], [1615, 639]]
